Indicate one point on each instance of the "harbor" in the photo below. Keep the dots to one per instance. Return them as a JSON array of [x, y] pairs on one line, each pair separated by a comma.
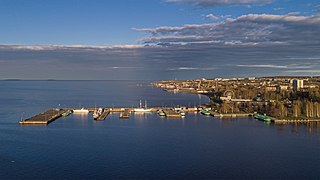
[[51, 115]]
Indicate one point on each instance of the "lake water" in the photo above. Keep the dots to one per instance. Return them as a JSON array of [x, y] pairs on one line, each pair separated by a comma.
[[146, 145]]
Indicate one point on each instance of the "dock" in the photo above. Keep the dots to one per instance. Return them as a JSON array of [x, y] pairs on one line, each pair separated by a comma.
[[104, 114], [285, 121], [231, 115], [125, 114], [44, 117], [171, 113]]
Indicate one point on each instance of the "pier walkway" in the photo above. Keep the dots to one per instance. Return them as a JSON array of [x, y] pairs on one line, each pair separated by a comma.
[[125, 114], [44, 117], [171, 113], [104, 114], [284, 121]]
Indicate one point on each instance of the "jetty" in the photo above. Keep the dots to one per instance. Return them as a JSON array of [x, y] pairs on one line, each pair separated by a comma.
[[104, 114], [229, 115], [171, 113], [44, 117], [125, 114], [285, 121]]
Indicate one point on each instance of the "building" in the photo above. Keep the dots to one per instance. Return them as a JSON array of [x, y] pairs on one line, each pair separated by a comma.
[[297, 84]]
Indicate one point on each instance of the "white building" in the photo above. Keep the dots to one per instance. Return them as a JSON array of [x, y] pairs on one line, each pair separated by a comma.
[[297, 84]]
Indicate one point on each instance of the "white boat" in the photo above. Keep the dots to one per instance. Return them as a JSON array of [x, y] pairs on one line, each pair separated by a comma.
[[98, 113], [141, 109], [81, 111], [67, 113], [181, 112], [161, 112]]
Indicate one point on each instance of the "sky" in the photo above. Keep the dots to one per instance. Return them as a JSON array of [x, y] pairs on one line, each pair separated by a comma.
[[158, 39]]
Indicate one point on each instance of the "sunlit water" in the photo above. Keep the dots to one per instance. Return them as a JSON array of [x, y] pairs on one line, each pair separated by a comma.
[[146, 145]]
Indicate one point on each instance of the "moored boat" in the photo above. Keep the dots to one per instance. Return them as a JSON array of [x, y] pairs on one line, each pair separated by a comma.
[[181, 112], [81, 111], [97, 113], [67, 113], [161, 112], [205, 112], [262, 117]]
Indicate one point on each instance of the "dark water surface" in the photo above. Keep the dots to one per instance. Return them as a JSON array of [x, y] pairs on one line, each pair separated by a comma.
[[146, 145]]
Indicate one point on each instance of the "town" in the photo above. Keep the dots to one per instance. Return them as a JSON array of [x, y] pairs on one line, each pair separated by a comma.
[[270, 98]]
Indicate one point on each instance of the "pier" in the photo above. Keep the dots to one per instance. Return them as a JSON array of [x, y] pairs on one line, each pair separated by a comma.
[[44, 117], [53, 114], [231, 115], [171, 113], [285, 121], [125, 114], [104, 115]]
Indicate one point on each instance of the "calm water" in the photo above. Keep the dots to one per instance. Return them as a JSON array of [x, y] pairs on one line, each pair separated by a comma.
[[146, 145]]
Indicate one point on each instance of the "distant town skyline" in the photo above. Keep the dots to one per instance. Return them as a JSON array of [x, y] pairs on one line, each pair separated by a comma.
[[150, 39]]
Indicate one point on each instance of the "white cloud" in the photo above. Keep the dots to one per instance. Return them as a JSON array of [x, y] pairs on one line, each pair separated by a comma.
[[211, 16], [290, 66], [311, 71], [278, 9], [191, 68], [294, 13], [263, 66]]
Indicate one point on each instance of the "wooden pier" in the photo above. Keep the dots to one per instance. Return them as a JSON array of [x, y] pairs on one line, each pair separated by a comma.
[[285, 121], [125, 114], [231, 115], [104, 115], [171, 113], [44, 117]]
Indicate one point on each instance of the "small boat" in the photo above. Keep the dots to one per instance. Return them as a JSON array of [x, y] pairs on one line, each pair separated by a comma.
[[67, 113], [161, 112], [262, 117], [181, 112], [81, 111], [97, 113], [205, 112]]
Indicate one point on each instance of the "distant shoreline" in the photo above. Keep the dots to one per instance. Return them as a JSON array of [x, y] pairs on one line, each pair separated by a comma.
[[154, 80]]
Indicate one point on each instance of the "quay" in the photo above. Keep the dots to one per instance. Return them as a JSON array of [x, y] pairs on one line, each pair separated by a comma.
[[44, 117], [231, 115], [171, 113], [125, 114], [284, 121], [104, 114]]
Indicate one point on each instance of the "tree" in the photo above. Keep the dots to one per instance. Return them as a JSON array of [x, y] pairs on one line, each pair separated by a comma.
[[296, 108]]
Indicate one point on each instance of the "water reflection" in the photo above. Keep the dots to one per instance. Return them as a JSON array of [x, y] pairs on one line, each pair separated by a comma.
[[81, 119], [310, 128]]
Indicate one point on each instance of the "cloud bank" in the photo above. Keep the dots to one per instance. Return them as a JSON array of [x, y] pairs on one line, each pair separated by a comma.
[[187, 61], [246, 29]]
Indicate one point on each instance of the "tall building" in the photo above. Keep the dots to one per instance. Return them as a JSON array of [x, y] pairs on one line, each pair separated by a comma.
[[297, 84]]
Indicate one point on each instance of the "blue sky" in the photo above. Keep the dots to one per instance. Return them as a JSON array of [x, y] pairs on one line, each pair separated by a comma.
[[185, 38], [101, 22]]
